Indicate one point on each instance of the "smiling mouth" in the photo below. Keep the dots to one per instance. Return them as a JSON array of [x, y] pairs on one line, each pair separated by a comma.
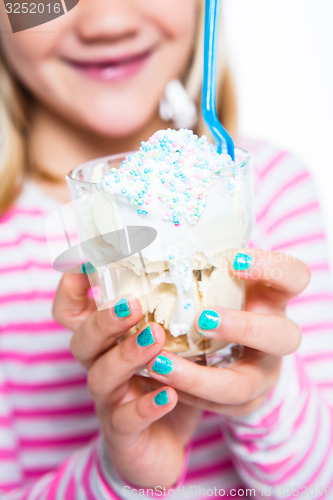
[[112, 69]]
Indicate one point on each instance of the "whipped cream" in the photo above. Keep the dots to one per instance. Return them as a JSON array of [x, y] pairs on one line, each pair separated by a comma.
[[179, 185]]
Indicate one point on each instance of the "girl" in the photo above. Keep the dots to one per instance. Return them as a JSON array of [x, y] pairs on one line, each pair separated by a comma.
[[89, 84]]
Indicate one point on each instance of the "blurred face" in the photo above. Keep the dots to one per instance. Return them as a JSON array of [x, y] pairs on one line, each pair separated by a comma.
[[104, 65]]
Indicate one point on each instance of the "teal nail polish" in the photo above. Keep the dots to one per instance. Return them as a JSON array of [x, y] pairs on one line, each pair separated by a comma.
[[161, 398], [145, 338], [121, 308], [242, 262], [162, 365], [209, 320], [88, 268]]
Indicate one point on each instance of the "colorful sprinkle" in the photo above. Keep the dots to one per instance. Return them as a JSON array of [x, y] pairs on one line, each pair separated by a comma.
[[172, 162]]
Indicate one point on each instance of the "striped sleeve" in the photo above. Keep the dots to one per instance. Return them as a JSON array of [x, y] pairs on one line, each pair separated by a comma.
[[286, 447], [50, 446], [80, 476]]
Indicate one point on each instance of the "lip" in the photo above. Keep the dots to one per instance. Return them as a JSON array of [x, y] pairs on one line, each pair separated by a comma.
[[112, 69]]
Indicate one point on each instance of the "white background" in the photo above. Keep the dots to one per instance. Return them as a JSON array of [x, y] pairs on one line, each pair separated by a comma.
[[281, 54]]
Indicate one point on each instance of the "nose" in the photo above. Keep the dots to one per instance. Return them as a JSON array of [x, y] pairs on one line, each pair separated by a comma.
[[109, 19]]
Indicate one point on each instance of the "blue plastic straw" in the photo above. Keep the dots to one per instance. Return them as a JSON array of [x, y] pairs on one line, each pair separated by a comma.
[[223, 140]]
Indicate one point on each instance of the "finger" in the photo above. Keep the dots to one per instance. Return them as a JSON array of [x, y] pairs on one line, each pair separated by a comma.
[[102, 328], [284, 273], [276, 335], [72, 305], [236, 384], [117, 366], [135, 416], [234, 410]]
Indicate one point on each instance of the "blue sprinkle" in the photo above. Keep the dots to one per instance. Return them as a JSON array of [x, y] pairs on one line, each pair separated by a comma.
[[129, 196], [139, 212], [124, 190], [163, 180], [117, 180], [171, 256], [172, 183]]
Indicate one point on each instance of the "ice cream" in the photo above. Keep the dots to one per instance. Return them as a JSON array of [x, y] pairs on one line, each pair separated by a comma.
[[192, 198]]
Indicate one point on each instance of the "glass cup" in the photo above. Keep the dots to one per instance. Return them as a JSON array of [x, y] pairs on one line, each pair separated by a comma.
[[174, 271]]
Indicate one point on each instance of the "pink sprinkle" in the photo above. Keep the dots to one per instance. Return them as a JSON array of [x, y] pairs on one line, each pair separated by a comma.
[[147, 202]]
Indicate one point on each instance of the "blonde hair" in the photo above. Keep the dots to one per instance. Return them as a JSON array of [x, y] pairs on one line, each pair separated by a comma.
[[16, 102]]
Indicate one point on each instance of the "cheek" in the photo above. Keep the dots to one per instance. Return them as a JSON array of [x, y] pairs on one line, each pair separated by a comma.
[[176, 19], [25, 56]]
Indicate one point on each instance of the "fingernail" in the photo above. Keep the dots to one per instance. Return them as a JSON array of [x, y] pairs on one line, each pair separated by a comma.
[[242, 262], [145, 338], [121, 308], [88, 268], [209, 320], [161, 398], [162, 365]]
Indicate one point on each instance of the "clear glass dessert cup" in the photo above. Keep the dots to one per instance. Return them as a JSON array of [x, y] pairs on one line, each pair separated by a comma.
[[175, 271]]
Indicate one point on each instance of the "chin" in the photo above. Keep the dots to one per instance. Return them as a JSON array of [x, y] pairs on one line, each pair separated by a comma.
[[120, 126]]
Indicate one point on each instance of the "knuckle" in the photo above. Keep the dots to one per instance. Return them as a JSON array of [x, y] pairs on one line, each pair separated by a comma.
[[249, 407], [306, 276], [303, 276], [56, 311], [295, 337], [117, 423], [103, 319], [141, 409], [245, 390], [94, 384], [125, 354], [291, 338], [244, 327], [73, 345], [194, 381]]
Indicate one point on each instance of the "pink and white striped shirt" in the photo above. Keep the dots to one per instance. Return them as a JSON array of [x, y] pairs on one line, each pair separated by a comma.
[[50, 446]]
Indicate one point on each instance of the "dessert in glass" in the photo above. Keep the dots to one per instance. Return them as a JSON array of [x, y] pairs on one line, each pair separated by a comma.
[[163, 223]]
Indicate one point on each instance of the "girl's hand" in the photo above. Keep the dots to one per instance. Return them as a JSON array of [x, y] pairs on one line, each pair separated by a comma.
[[144, 443], [240, 388]]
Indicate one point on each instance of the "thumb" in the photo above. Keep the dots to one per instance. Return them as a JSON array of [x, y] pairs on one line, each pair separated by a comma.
[[72, 304]]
